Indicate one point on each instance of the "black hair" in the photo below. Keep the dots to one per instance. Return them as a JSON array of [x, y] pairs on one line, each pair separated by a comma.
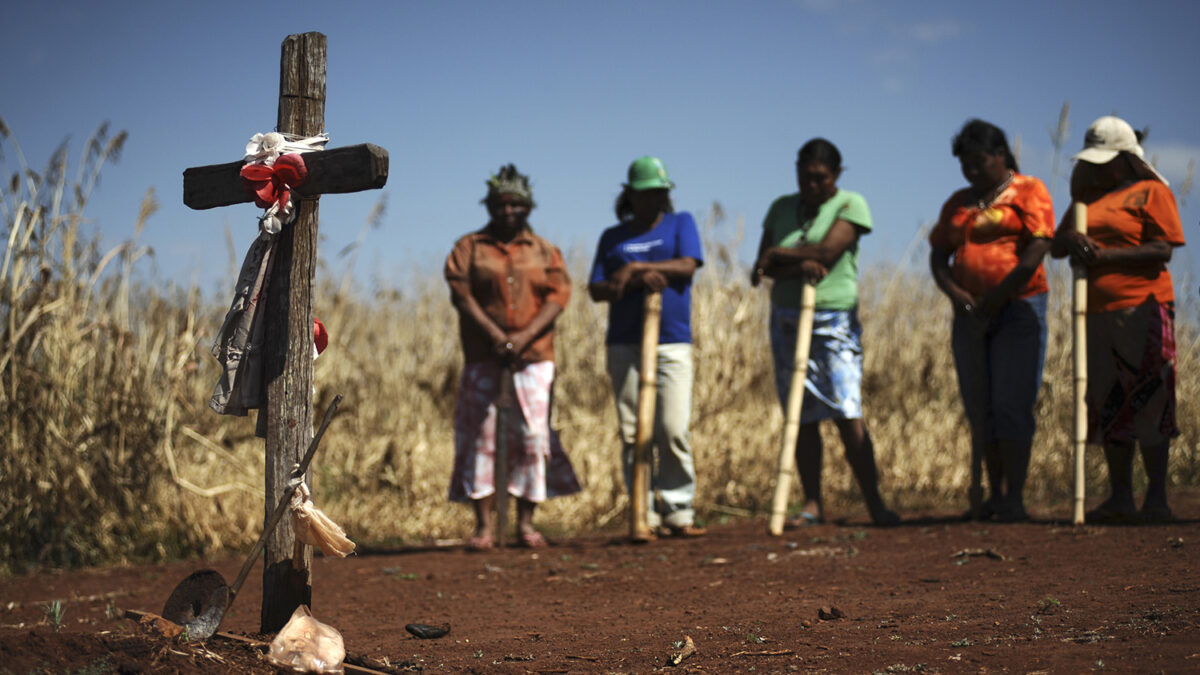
[[1133, 168], [979, 136], [623, 206], [820, 150]]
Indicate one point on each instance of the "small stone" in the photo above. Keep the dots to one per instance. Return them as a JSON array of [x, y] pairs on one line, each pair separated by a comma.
[[426, 632], [830, 613]]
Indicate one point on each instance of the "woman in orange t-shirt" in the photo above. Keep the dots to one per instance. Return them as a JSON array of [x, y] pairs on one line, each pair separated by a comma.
[[1133, 225], [997, 232]]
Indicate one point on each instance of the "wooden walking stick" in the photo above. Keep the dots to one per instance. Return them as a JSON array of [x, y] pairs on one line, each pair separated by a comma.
[[202, 599], [791, 425], [1079, 346], [639, 526], [504, 403]]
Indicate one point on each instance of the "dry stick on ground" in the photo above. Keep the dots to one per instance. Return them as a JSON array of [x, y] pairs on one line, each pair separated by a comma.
[[1079, 346], [791, 426], [259, 644], [639, 526], [689, 648]]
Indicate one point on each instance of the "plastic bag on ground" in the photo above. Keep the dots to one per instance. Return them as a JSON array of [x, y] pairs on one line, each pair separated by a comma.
[[308, 646]]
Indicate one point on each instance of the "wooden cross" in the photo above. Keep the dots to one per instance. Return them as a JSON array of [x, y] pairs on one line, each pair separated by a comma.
[[287, 354]]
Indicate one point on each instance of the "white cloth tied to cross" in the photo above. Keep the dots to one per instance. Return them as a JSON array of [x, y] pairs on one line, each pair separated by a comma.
[[265, 149]]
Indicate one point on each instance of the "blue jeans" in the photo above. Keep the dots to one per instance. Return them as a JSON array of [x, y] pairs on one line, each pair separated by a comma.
[[999, 364]]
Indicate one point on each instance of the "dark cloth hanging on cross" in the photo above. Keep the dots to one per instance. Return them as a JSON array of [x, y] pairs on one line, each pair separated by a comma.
[[287, 320]]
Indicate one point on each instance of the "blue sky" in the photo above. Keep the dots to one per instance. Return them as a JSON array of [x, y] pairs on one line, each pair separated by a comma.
[[724, 92]]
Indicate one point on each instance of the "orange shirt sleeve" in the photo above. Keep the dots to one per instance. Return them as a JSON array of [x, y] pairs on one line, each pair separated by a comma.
[[941, 235], [1037, 208], [558, 282], [1160, 216], [457, 269]]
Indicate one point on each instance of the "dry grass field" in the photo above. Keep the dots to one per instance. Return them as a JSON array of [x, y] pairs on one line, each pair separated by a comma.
[[109, 451]]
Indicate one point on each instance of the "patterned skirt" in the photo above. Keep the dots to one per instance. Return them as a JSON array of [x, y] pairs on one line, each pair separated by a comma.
[[833, 383], [1131, 375], [538, 467]]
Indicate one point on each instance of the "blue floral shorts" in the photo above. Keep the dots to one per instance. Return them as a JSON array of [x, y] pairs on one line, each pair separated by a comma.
[[833, 386]]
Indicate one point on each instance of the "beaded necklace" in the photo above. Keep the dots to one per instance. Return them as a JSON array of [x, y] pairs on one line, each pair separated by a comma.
[[995, 193]]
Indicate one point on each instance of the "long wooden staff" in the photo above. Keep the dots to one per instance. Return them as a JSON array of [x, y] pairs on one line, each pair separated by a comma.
[[1079, 345], [284, 500], [791, 425], [639, 526], [504, 403]]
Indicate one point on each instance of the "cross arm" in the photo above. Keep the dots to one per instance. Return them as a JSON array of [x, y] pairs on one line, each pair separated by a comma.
[[353, 168]]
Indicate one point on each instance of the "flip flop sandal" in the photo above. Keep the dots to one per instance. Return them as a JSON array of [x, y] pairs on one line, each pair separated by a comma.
[[482, 542], [684, 531], [987, 511], [532, 540], [805, 519], [1007, 515], [1156, 515], [885, 518], [1104, 515]]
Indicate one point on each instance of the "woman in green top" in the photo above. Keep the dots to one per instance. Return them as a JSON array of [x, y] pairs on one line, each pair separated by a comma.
[[813, 236]]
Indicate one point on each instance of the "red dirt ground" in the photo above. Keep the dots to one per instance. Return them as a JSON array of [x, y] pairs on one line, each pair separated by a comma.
[[919, 597]]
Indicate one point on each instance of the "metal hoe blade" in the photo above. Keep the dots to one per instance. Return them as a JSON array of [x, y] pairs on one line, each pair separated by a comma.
[[198, 603]]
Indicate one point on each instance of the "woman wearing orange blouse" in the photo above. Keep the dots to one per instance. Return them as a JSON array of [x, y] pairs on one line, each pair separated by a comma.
[[1133, 225], [996, 232], [508, 285]]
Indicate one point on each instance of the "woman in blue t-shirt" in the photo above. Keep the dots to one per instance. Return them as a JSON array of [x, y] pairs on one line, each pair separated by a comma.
[[654, 248]]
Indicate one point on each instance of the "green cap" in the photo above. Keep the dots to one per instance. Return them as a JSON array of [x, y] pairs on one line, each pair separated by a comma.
[[648, 173]]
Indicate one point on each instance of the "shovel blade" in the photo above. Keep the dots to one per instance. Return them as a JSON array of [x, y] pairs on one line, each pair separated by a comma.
[[198, 603]]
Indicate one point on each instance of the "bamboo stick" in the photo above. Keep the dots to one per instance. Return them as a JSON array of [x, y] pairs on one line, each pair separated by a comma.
[[1079, 347], [505, 400], [639, 526], [791, 425]]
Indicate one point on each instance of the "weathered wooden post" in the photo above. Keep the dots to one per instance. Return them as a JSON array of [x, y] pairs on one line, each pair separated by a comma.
[[287, 574]]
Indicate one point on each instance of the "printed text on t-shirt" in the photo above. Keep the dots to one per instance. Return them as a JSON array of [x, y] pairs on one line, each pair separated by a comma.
[[642, 246]]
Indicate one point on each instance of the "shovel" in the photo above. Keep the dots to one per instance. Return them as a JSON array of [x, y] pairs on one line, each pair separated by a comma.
[[505, 400], [200, 601]]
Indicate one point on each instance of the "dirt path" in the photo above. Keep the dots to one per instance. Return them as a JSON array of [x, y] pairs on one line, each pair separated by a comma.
[[933, 595]]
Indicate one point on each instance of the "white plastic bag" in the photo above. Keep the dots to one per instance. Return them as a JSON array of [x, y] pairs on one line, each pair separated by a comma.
[[315, 528], [308, 646]]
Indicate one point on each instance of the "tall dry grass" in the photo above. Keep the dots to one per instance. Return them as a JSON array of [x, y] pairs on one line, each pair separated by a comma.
[[94, 373], [110, 453]]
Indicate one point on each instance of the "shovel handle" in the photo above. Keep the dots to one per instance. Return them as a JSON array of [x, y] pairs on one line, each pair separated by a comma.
[[505, 399], [1079, 347], [277, 515], [639, 526], [791, 425]]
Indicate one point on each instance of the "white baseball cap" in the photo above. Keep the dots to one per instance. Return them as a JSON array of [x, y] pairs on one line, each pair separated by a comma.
[[1109, 136]]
